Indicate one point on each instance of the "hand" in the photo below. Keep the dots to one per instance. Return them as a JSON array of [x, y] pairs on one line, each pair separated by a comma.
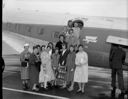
[[72, 69]]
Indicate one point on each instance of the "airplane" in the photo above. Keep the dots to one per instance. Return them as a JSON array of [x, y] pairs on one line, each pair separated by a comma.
[[46, 27]]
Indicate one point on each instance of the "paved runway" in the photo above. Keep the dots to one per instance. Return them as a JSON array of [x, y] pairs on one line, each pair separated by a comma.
[[98, 86]]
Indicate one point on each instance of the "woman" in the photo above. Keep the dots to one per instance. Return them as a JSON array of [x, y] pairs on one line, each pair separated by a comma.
[[60, 43], [24, 58], [76, 32], [67, 28], [46, 74], [52, 48], [70, 64], [34, 64], [81, 71], [55, 63], [62, 66]]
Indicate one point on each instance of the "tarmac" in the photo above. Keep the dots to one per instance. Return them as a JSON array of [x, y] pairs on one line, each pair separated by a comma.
[[98, 87]]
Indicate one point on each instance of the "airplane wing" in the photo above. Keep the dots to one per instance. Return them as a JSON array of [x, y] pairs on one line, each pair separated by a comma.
[[117, 40]]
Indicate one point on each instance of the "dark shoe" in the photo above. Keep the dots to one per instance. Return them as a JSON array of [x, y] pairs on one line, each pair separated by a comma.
[[24, 87], [113, 94], [79, 91]]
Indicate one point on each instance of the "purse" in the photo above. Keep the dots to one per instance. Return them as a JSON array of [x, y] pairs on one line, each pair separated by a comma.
[[24, 64]]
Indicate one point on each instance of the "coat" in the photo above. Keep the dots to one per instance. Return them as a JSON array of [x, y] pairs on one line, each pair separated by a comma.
[[70, 66], [117, 58], [34, 65], [24, 58], [63, 58]]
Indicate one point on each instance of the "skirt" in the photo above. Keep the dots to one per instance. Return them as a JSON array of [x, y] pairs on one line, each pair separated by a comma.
[[61, 77], [24, 73], [81, 74]]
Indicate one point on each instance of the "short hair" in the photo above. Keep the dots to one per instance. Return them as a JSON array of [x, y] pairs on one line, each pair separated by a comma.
[[34, 47], [80, 46], [70, 29], [71, 46], [61, 36], [42, 46], [49, 46], [38, 46]]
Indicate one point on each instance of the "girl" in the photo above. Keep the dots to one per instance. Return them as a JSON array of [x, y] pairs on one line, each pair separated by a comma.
[[34, 63], [55, 63], [70, 64], [24, 58], [62, 66], [46, 74], [81, 71]]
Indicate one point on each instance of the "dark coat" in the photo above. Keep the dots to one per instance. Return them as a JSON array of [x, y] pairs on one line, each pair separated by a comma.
[[59, 45], [63, 58], [34, 69], [117, 58]]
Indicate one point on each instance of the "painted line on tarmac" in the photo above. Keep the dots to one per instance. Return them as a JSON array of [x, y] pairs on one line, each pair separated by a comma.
[[34, 93]]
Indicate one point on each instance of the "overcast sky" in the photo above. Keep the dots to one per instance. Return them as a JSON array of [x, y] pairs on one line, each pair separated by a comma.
[[109, 8]]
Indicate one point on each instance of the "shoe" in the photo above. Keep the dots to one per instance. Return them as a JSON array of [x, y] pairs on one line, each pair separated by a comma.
[[24, 87], [78, 91], [70, 89]]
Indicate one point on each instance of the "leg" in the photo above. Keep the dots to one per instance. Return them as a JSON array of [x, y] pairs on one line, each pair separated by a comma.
[[72, 86], [113, 84], [120, 79], [79, 84], [83, 85]]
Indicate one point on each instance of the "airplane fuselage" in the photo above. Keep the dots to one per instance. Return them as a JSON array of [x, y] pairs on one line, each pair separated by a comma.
[[96, 47]]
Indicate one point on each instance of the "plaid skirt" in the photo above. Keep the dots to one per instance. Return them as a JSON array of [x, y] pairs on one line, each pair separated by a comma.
[[24, 73], [61, 77]]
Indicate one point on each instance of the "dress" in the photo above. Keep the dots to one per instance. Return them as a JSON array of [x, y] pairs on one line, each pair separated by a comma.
[[76, 33], [70, 65], [24, 56], [46, 73], [81, 71]]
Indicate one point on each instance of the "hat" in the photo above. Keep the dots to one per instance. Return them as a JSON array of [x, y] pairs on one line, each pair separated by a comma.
[[26, 44]]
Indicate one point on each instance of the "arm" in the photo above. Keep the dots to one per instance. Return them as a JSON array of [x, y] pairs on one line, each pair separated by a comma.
[[85, 59]]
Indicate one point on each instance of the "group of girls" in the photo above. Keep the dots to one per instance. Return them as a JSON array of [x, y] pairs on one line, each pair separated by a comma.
[[62, 65]]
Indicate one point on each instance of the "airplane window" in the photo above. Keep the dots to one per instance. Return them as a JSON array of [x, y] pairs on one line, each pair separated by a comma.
[[29, 29], [41, 31]]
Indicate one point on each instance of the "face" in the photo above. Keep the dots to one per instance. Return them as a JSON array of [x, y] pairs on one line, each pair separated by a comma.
[[35, 50], [80, 48], [43, 48], [71, 49], [70, 23], [64, 47], [39, 49], [70, 32], [75, 24], [50, 44], [61, 38], [26, 47], [56, 51], [48, 49]]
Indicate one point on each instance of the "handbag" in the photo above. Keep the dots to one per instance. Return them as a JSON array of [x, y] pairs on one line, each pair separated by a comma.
[[24, 64]]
